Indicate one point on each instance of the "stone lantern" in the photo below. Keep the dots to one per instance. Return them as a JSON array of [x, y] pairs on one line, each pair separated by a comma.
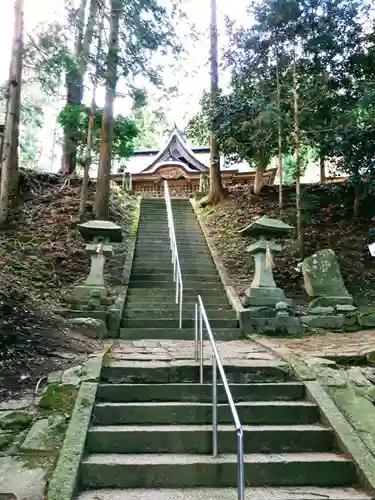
[[263, 290], [99, 236]]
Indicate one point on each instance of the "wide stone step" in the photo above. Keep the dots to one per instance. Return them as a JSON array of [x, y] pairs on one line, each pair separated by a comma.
[[160, 372], [149, 322], [202, 393], [167, 294], [145, 250], [169, 313], [186, 262], [187, 278], [226, 334], [179, 471], [268, 493], [188, 305], [196, 286], [198, 439], [188, 242], [190, 413], [147, 268]]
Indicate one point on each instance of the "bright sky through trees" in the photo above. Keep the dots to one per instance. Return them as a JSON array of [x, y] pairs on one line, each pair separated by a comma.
[[191, 78]]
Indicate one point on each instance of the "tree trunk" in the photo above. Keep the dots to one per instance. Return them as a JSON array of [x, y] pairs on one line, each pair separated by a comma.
[[105, 155], [258, 182], [322, 168], [90, 131], [9, 171], [280, 136], [74, 81], [263, 160], [217, 191], [297, 143]]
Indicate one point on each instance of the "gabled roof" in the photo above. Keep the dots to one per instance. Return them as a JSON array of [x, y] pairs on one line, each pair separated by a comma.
[[177, 150]]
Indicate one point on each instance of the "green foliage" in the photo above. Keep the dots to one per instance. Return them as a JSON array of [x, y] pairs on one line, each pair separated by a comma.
[[308, 155], [153, 127], [326, 40], [124, 133], [198, 127]]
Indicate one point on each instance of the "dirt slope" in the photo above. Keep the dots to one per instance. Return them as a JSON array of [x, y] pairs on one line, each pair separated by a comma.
[[42, 256], [328, 223]]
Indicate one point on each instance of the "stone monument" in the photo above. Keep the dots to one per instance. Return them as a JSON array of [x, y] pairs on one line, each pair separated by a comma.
[[323, 281], [263, 290]]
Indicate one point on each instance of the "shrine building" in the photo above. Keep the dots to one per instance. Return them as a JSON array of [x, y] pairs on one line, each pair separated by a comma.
[[185, 168]]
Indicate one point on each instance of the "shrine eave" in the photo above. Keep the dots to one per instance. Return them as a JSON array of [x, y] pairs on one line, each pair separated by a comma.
[[176, 150], [154, 152]]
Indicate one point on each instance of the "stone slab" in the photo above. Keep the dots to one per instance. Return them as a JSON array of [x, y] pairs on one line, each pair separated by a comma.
[[349, 441], [324, 322], [24, 478], [64, 479], [367, 320], [15, 421], [322, 277], [267, 493], [97, 326], [45, 435], [332, 301], [321, 311], [279, 326]]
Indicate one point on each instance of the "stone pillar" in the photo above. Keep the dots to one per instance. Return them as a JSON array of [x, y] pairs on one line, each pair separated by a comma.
[[263, 290]]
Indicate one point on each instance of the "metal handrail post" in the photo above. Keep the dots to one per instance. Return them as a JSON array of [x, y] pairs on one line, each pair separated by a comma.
[[196, 332], [214, 406], [201, 345], [217, 365], [177, 276], [240, 460], [181, 295]]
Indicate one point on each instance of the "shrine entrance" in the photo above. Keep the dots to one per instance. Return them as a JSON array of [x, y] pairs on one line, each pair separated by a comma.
[[181, 184]]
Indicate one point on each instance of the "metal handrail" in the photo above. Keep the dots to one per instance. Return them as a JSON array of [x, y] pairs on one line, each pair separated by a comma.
[[177, 276], [200, 317]]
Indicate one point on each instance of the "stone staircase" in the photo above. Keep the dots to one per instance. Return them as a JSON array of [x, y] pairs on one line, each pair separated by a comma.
[[150, 437], [150, 309]]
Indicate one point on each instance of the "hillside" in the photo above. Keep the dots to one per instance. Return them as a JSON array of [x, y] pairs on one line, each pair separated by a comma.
[[328, 222], [42, 256]]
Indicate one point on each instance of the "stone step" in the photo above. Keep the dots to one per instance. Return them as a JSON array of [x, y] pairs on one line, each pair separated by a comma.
[[196, 287], [226, 334], [187, 278], [160, 372], [134, 303], [152, 226], [198, 439], [149, 322], [189, 413], [186, 262], [145, 250], [267, 493], [187, 313], [167, 294], [183, 471], [143, 393], [147, 268], [190, 241]]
